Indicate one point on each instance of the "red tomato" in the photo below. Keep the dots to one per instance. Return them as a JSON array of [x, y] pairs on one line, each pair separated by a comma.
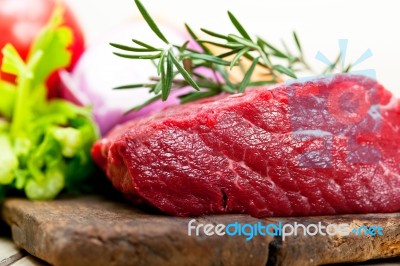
[[22, 20]]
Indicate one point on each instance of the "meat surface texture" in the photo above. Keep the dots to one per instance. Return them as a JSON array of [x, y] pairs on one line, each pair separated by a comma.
[[326, 145]]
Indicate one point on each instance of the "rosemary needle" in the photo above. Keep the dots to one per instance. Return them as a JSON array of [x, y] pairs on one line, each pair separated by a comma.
[[175, 60]]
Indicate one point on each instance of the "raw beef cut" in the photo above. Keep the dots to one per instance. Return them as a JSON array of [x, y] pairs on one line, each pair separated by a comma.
[[326, 145]]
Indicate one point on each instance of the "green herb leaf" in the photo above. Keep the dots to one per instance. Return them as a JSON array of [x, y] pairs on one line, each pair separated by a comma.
[[261, 83], [158, 88], [275, 50], [238, 26], [183, 48], [214, 34], [206, 57], [134, 56], [160, 64], [133, 49], [195, 38], [166, 76], [247, 76], [296, 39], [168, 79], [232, 52], [333, 65], [150, 21], [145, 45], [276, 63], [285, 70], [134, 86], [223, 45], [197, 95], [348, 68], [183, 72], [238, 56], [243, 41], [190, 31]]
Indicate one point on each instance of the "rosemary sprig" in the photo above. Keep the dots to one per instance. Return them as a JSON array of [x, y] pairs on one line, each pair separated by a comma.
[[174, 60]]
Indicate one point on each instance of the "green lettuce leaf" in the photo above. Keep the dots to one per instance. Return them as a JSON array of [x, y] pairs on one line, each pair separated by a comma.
[[8, 160], [7, 100], [53, 41], [45, 144]]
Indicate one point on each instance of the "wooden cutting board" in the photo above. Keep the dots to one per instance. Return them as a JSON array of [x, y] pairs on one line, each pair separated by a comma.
[[97, 231]]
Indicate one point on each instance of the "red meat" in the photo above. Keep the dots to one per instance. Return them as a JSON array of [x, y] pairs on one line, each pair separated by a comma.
[[323, 146]]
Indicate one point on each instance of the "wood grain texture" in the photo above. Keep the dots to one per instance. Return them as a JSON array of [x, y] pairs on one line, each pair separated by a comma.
[[29, 261], [9, 253], [97, 231], [7, 248]]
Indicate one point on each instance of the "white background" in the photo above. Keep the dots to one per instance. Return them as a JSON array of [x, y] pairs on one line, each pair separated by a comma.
[[367, 24]]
